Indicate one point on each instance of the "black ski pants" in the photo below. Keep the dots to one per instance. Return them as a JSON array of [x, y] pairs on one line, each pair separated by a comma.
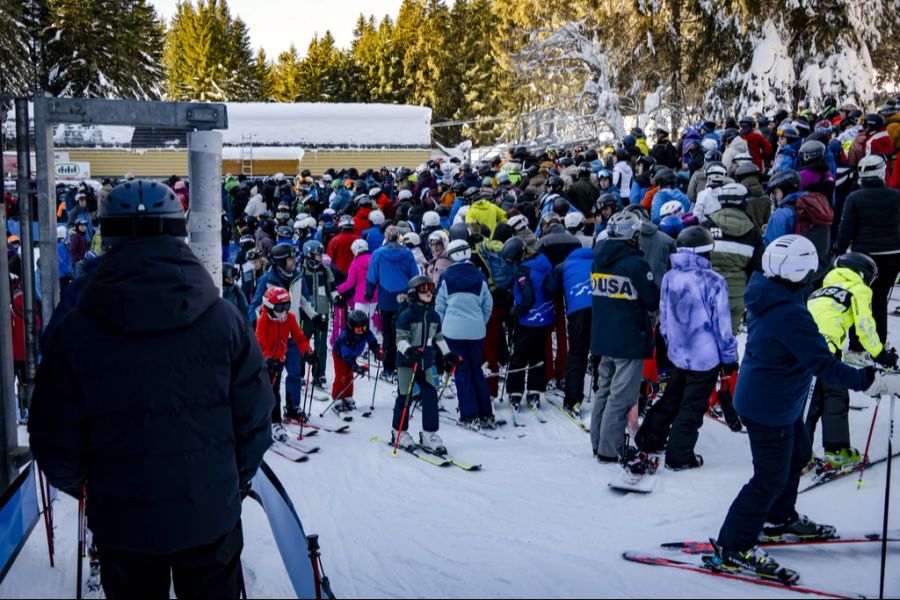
[[678, 416], [888, 268], [832, 405], [427, 397], [209, 571], [529, 344], [579, 330], [389, 337]]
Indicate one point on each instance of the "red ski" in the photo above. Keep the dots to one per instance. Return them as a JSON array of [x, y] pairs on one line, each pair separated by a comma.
[[693, 547]]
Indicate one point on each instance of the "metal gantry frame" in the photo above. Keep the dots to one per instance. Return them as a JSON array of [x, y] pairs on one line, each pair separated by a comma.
[[204, 222]]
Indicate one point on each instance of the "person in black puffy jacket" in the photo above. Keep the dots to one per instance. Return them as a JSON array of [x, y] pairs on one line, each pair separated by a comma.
[[153, 397]]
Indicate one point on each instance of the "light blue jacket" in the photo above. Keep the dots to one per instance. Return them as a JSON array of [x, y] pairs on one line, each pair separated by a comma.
[[464, 302]]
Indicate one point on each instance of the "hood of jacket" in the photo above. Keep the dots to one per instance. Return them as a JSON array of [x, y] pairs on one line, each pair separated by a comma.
[[754, 187], [763, 294], [739, 145], [843, 277], [394, 252], [649, 228], [148, 285], [732, 221], [613, 250], [685, 260]]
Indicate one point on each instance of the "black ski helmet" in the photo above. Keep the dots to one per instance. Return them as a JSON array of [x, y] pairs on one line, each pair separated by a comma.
[[357, 322], [860, 263], [560, 206], [697, 239], [229, 271], [281, 252], [141, 208], [416, 285], [512, 250], [788, 181], [459, 231], [556, 184]]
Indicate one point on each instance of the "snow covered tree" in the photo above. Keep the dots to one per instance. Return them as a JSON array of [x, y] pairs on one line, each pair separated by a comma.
[[16, 66], [105, 49]]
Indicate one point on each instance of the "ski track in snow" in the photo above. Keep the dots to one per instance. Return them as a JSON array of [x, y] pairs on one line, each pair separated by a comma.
[[538, 521]]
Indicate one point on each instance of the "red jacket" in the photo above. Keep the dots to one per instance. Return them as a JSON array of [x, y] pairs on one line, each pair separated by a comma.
[[339, 250], [361, 220], [760, 148], [894, 178], [273, 335], [17, 318]]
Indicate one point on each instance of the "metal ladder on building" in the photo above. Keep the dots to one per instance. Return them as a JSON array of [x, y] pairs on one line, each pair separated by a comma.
[[247, 155]]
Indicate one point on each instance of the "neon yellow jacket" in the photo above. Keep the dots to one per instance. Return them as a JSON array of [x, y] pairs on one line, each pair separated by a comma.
[[844, 301], [643, 146], [487, 213]]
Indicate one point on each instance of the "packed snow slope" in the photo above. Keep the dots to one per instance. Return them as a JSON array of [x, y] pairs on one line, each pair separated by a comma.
[[538, 521]]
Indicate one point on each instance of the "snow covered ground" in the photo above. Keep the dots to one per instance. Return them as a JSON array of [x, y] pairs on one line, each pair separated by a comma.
[[537, 521]]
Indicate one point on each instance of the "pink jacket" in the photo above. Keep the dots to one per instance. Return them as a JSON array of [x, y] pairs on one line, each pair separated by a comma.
[[356, 279]]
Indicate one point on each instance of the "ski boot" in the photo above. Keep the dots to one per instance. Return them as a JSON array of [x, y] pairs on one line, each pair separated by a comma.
[[350, 403], [695, 462], [320, 382], [293, 414], [574, 410], [279, 433], [755, 561], [643, 463], [845, 459], [431, 442], [388, 376], [469, 423], [800, 528], [488, 423], [534, 400], [515, 400], [406, 440]]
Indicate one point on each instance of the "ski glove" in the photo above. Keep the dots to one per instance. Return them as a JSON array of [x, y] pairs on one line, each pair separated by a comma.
[[729, 369], [340, 301], [360, 370], [273, 365], [379, 353], [452, 359], [413, 353], [310, 357], [884, 383], [321, 322], [887, 358]]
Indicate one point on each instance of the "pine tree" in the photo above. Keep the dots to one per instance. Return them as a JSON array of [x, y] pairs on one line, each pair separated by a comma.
[[318, 70], [263, 77], [286, 76], [16, 66]]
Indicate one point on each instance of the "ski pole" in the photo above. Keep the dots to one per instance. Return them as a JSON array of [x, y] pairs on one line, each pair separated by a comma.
[[375, 387], [508, 371], [312, 545], [80, 554], [412, 382], [865, 459], [47, 512], [339, 394], [447, 382], [306, 389], [887, 497]]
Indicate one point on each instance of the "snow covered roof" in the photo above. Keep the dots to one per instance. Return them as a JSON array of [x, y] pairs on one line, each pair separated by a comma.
[[309, 125]]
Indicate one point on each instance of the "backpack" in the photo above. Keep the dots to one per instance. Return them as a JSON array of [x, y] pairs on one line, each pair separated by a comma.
[[501, 274], [814, 216]]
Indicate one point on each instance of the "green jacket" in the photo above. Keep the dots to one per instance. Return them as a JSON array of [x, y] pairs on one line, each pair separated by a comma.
[[845, 301]]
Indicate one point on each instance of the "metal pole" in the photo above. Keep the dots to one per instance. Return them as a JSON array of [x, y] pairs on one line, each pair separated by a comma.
[[46, 198], [205, 217], [24, 192], [8, 437]]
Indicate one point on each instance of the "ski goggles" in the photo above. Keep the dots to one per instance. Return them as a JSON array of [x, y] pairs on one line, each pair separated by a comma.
[[426, 288], [281, 307], [359, 329]]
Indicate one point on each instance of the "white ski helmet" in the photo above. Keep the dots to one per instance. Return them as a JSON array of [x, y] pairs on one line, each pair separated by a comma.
[[359, 246], [310, 223], [404, 195], [376, 217], [459, 250], [518, 222], [574, 220], [715, 174], [672, 207], [61, 232], [872, 167], [440, 237], [431, 219], [411, 240], [790, 257]]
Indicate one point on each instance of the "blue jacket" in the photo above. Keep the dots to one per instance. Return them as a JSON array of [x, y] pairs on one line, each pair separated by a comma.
[[341, 199], [349, 346], [374, 237], [637, 192], [64, 260], [664, 195], [694, 314], [533, 304], [573, 276], [464, 302], [624, 294], [784, 350], [783, 220], [274, 277], [391, 268], [786, 157]]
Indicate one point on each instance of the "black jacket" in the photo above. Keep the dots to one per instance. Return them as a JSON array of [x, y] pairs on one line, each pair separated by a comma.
[[871, 220], [557, 244], [583, 194], [624, 295], [665, 154], [153, 393]]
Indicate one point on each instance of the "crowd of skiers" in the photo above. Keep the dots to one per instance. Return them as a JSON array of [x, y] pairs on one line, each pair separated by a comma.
[[625, 271]]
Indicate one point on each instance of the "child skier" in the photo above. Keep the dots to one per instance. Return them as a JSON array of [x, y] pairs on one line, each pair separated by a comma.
[[418, 332], [348, 346], [276, 323], [844, 301], [695, 321], [319, 281], [784, 351]]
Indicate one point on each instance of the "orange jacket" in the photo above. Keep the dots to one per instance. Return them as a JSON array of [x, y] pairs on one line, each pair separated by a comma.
[[273, 335]]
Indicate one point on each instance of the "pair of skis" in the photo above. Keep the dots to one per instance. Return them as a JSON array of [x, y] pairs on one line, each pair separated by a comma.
[[432, 458], [829, 476], [707, 566]]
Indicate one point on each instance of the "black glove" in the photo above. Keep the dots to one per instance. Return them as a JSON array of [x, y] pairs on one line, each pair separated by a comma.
[[340, 301], [273, 365], [729, 369], [413, 353], [378, 351], [367, 297], [321, 322], [887, 358], [360, 370], [310, 357], [452, 359]]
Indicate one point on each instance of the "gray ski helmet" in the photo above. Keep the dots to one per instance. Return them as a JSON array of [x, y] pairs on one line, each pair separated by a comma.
[[624, 226], [745, 170], [811, 152], [733, 194], [313, 249], [141, 208], [788, 181], [413, 287], [459, 231]]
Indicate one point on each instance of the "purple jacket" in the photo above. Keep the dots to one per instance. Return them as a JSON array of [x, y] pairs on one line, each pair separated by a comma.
[[694, 315]]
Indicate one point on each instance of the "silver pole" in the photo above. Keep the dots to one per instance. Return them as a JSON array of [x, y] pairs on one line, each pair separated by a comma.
[[46, 198], [205, 219], [8, 436], [24, 193]]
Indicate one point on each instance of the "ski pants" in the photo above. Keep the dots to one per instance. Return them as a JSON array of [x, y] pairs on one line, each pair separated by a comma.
[[319, 339], [427, 396], [888, 268], [779, 455], [342, 387], [389, 335], [275, 378], [209, 571], [471, 386], [293, 383], [579, 328], [492, 344], [556, 369], [832, 405], [620, 383], [678, 415], [529, 344]]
